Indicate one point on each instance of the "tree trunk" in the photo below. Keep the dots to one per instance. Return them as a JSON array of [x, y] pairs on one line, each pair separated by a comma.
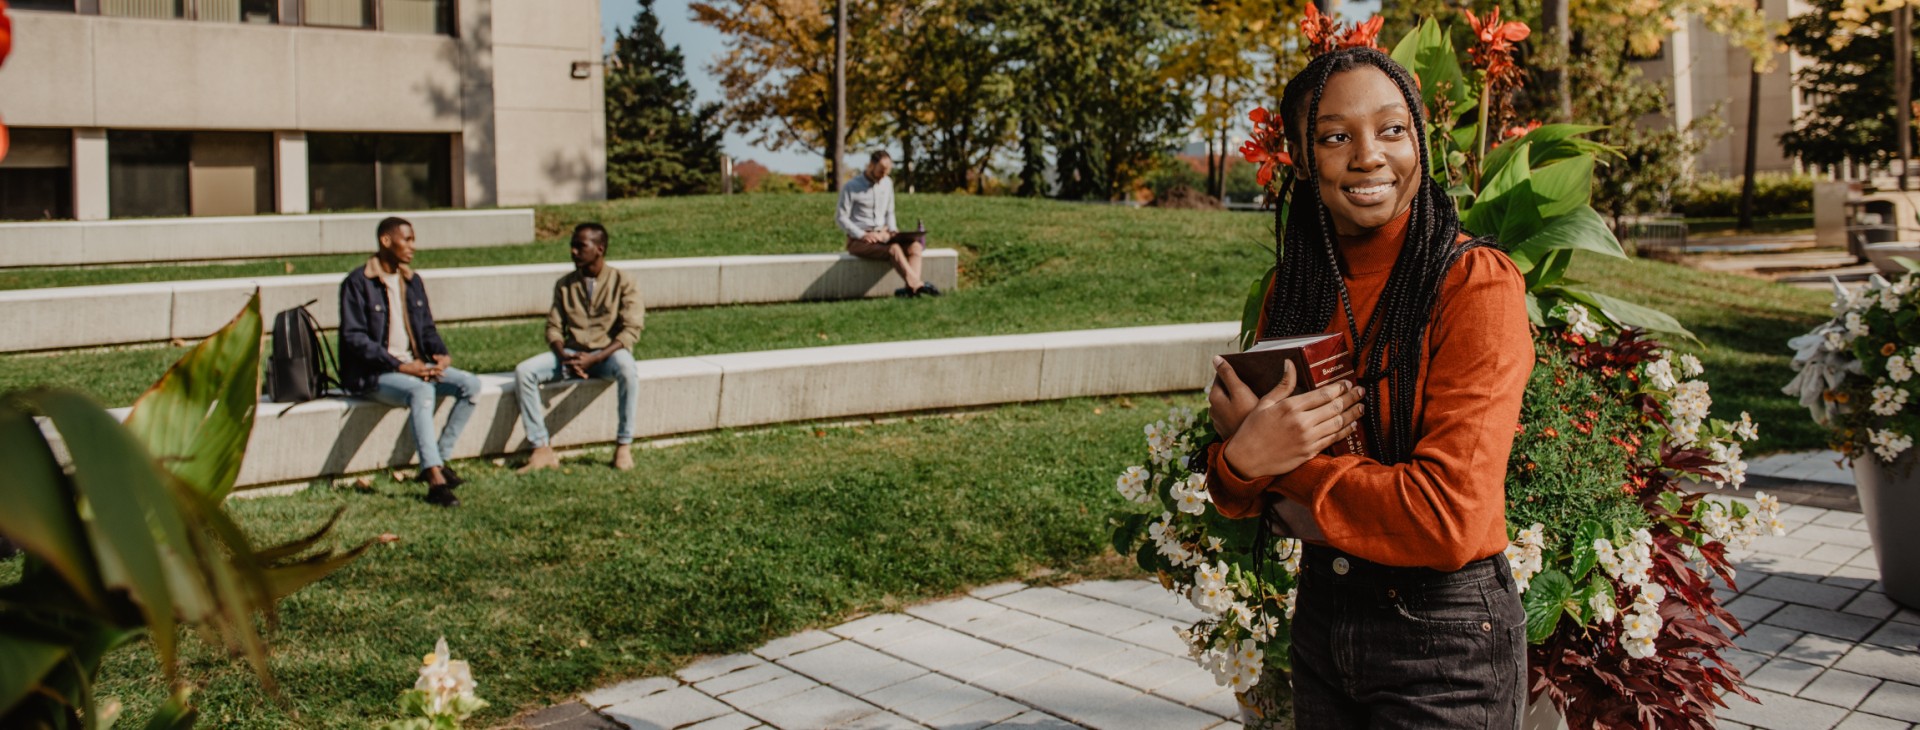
[[1903, 86], [1753, 133], [836, 147], [1554, 16]]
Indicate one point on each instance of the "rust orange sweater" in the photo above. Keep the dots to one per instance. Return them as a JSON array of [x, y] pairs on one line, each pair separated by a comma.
[[1446, 506]]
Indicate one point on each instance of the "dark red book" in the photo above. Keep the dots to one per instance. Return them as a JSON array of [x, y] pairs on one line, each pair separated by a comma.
[[1318, 359]]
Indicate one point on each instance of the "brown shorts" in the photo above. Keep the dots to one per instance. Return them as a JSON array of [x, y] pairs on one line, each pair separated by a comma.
[[881, 251]]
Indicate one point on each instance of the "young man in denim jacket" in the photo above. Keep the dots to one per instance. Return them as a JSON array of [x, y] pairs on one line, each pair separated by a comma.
[[390, 352]]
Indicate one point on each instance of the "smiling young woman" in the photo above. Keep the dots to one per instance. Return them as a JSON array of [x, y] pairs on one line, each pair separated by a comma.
[[1407, 614]]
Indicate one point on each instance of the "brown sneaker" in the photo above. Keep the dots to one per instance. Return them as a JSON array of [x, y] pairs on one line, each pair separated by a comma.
[[623, 457], [541, 458]]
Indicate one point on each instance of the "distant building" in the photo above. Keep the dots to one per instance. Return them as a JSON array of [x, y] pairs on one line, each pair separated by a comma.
[[142, 108], [1702, 70]]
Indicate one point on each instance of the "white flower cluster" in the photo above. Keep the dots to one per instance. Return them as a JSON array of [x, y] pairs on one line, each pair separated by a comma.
[[1888, 400], [1579, 321], [1717, 521], [1133, 484], [1687, 410], [1237, 667], [1166, 541], [1190, 494], [1825, 363], [1643, 623], [448, 683], [1660, 374], [1210, 592], [1889, 444], [1524, 555], [1631, 565], [1899, 368], [1166, 439]]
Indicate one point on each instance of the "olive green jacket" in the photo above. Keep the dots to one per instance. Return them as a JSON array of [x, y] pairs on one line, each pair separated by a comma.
[[613, 314]]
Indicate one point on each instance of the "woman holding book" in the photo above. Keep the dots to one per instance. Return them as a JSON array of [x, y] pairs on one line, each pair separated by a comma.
[[1407, 613]]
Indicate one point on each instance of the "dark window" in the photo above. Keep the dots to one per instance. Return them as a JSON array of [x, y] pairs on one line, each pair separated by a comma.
[[36, 178], [339, 13], [65, 6], [147, 173], [144, 8], [379, 171]]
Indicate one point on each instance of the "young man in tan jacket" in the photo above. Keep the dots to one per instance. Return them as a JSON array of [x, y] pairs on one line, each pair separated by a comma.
[[595, 320]]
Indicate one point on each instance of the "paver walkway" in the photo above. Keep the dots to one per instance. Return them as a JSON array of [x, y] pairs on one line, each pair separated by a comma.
[[1824, 649]]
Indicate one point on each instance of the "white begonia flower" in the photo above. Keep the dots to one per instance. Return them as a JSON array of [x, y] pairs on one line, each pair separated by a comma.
[[1210, 592], [1690, 366], [1834, 341], [1603, 551], [1214, 544], [1603, 608], [1650, 598], [1132, 484], [1899, 369], [1180, 418], [1190, 494], [1293, 597], [1714, 522], [1639, 648], [444, 679], [1888, 400], [1746, 429], [1886, 295], [1731, 469], [1888, 444], [1580, 321], [1856, 326], [1691, 400], [1766, 502], [1660, 374], [1641, 625]]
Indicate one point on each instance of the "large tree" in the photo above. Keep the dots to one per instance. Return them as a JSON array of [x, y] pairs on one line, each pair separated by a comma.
[[1850, 84], [1236, 55], [951, 106], [659, 141]]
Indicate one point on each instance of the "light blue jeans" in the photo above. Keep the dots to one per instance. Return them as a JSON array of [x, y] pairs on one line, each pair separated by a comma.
[[418, 396], [545, 368]]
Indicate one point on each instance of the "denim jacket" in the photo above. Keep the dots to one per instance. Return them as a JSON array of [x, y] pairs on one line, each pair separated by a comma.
[[363, 326]]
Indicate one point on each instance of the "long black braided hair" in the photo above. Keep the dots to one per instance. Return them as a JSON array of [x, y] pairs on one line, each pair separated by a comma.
[[1308, 285]]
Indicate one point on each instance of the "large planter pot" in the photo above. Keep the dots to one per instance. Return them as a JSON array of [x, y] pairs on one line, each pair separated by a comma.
[[1269, 704], [1542, 715], [1890, 496]]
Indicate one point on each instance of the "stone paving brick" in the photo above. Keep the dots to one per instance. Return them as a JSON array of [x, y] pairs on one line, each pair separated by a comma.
[[1786, 547], [820, 707], [1816, 649], [1752, 609], [1125, 661], [1102, 617], [1035, 720], [771, 692], [1112, 591], [1872, 605], [956, 612], [673, 708], [1821, 621], [1766, 639], [713, 667], [1831, 553], [1793, 590], [1895, 700], [1829, 535], [1016, 675], [895, 633], [1785, 676], [1907, 616], [1848, 576], [1881, 662], [1044, 601], [926, 697], [1003, 660], [1010, 628], [1835, 687], [735, 721], [979, 714], [1744, 661], [939, 648], [791, 645], [1787, 566], [567, 716], [1161, 602], [1158, 635], [1863, 721], [884, 721], [1220, 704], [1161, 673], [851, 667], [997, 590], [869, 624], [1776, 711], [1193, 688], [757, 674], [1100, 704], [1897, 636], [1866, 559], [1074, 647], [626, 691], [1845, 520]]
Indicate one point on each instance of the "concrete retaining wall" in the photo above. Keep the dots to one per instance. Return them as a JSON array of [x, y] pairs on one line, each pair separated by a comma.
[[683, 395], [72, 243], [87, 316]]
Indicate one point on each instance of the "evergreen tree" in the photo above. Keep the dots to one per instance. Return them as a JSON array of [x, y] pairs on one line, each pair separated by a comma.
[[1851, 87], [659, 142]]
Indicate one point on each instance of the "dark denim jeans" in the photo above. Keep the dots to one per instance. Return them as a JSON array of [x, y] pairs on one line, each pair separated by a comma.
[[1382, 647]]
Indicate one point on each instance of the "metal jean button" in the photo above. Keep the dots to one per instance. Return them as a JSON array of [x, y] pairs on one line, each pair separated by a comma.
[[1339, 566]]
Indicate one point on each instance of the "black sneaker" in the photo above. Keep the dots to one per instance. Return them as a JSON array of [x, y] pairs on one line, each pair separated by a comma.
[[447, 475], [441, 495], [905, 293], [928, 289]]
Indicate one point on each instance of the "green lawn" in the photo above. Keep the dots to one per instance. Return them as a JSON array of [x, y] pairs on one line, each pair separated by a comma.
[[557, 583], [1027, 266]]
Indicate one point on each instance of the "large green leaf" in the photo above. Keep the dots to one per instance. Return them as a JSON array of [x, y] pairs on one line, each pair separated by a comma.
[[40, 516], [1584, 556], [1581, 230], [196, 420], [1543, 145], [1505, 207], [23, 662], [177, 714], [1628, 314], [1564, 187], [1250, 312], [1546, 600], [1427, 51]]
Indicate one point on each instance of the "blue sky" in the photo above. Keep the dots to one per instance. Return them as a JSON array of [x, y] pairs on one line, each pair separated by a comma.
[[702, 44]]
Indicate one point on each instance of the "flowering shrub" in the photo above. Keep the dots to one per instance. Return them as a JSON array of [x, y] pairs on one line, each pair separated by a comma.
[[1857, 370], [443, 695]]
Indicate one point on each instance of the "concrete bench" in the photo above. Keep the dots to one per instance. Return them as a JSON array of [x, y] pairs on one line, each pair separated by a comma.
[[339, 436], [143, 240], [88, 316]]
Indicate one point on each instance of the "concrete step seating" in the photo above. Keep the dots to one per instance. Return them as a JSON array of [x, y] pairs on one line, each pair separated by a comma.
[[339, 436], [143, 240], [89, 316]]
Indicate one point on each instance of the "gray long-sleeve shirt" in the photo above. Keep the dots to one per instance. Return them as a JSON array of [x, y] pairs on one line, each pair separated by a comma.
[[865, 206]]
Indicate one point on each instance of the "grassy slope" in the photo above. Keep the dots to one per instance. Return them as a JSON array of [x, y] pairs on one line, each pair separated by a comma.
[[556, 583], [1028, 266]]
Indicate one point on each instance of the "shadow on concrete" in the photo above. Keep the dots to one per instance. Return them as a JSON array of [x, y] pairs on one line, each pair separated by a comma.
[[846, 278]]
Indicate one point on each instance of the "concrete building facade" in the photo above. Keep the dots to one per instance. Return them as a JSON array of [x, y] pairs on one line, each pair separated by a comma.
[[1708, 76], [140, 108]]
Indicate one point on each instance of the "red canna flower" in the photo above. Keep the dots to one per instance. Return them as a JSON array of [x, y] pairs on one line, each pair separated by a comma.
[[1319, 30], [1518, 131], [1268, 147], [1363, 35], [1493, 43]]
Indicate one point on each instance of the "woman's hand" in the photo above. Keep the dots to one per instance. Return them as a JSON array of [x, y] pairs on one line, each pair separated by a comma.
[[1281, 431], [1230, 406]]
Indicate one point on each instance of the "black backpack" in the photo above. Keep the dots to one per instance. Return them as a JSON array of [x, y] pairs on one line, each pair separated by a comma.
[[300, 367]]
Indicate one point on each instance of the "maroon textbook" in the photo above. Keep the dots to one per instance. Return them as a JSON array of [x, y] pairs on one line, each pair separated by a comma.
[[1319, 360]]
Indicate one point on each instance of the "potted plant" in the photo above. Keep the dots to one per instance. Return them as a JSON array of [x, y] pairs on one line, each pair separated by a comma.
[[1614, 557], [1856, 377]]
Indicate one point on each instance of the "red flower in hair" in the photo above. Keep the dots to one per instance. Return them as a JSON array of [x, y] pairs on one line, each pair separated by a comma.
[[1320, 30], [1268, 147], [1364, 35]]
